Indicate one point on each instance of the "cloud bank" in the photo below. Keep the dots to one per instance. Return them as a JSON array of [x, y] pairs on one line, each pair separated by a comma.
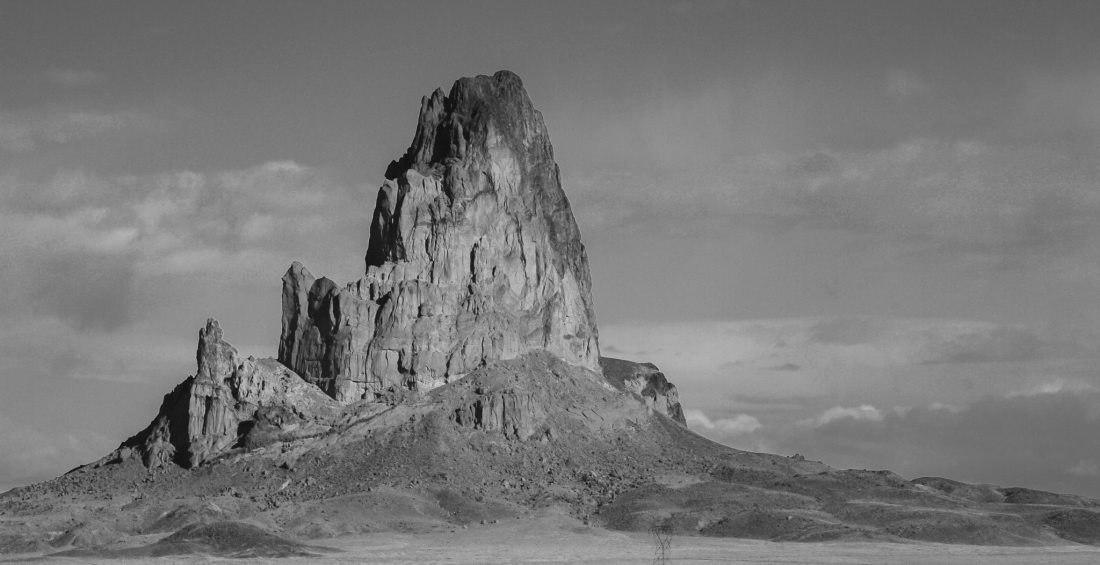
[[975, 401]]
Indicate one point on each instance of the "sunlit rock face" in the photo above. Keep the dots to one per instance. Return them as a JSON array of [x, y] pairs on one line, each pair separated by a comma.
[[229, 401], [474, 255], [646, 381]]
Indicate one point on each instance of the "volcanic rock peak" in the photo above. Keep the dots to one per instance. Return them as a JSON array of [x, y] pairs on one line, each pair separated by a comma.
[[474, 255]]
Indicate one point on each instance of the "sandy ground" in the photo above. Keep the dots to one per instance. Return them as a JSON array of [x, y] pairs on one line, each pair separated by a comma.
[[554, 538]]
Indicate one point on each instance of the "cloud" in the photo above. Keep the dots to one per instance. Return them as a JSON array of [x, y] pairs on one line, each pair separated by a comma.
[[998, 344], [959, 197], [109, 230], [1041, 441], [942, 406], [1052, 105], [905, 84], [72, 78], [848, 331], [1085, 468], [764, 404], [78, 266], [1011, 404], [49, 350], [864, 412], [28, 455], [967, 201], [71, 126], [91, 291], [930, 342], [107, 278], [851, 355], [1053, 387], [20, 133], [739, 424]]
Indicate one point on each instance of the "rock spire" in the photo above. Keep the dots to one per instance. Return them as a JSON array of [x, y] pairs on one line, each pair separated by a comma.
[[229, 402], [474, 255]]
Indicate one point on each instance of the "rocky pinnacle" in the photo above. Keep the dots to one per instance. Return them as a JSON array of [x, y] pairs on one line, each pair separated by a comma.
[[474, 255]]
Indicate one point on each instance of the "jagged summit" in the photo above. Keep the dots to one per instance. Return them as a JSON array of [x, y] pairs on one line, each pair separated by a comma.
[[474, 255], [459, 136]]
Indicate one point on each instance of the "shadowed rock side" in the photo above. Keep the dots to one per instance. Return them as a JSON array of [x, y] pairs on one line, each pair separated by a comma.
[[229, 402], [646, 381], [474, 255]]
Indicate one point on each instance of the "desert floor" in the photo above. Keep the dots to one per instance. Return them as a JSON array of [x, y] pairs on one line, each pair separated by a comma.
[[555, 538]]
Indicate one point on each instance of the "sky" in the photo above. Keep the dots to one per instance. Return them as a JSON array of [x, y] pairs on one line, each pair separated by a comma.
[[864, 232]]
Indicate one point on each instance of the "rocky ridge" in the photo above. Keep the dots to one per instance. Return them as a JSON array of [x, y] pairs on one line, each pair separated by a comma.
[[235, 407], [647, 382], [229, 403]]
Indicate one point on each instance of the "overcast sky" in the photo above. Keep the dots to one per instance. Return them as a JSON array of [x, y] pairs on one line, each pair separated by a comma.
[[865, 232]]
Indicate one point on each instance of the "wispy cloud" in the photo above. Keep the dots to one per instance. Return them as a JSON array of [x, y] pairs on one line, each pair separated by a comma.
[[28, 454], [1085, 468], [91, 259], [1052, 105], [968, 201], [918, 396], [804, 350], [24, 132], [109, 230], [1054, 386], [737, 425], [72, 78], [905, 84], [863, 412], [1042, 440]]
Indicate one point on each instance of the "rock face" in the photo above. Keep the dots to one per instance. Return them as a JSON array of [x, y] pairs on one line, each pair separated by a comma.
[[514, 414], [646, 381], [474, 255], [228, 402]]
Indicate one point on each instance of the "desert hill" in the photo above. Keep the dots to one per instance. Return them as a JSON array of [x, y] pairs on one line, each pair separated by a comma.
[[460, 383]]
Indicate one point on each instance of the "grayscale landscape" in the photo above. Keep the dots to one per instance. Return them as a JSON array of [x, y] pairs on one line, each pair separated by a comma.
[[851, 282]]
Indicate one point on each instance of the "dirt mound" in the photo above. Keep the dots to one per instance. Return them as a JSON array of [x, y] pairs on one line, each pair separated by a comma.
[[86, 535], [974, 493], [174, 518], [1019, 495], [968, 528], [1076, 525], [780, 525], [943, 524], [232, 539], [219, 539]]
